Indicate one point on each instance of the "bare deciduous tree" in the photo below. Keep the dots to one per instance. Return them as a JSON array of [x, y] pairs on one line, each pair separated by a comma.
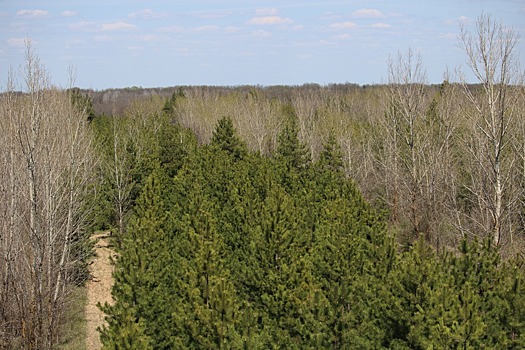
[[46, 166], [406, 104], [492, 58], [417, 135]]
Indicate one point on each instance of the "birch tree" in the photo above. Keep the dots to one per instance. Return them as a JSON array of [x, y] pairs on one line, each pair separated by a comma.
[[46, 164], [491, 51], [416, 155], [406, 103]]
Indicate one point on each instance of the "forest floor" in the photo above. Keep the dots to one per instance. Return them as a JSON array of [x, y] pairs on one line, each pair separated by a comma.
[[98, 288]]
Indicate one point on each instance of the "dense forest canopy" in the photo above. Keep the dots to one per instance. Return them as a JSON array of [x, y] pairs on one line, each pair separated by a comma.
[[228, 248]]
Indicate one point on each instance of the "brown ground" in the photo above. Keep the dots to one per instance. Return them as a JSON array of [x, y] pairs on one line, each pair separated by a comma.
[[98, 289]]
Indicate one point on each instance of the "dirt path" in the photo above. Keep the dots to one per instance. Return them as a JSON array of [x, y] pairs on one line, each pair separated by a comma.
[[98, 289]]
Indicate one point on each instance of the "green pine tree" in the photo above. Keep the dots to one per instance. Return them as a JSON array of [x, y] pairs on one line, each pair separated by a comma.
[[331, 157], [290, 150], [124, 331], [140, 265], [225, 138]]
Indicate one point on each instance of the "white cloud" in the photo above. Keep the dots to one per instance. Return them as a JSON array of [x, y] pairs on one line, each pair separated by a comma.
[[343, 25], [68, 13], [449, 36], [326, 43], [380, 25], [368, 13], [270, 20], [460, 19], [261, 34], [208, 28], [149, 38], [90, 26], [32, 13], [147, 14], [117, 26], [266, 11], [463, 20], [330, 16], [84, 25], [16, 42]]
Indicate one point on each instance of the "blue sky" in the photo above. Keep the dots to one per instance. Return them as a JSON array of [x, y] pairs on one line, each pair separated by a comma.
[[165, 43]]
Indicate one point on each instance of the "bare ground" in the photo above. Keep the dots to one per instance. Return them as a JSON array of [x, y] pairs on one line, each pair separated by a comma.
[[98, 289]]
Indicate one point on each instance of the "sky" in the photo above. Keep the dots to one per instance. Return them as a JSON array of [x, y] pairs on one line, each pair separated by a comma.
[[161, 43]]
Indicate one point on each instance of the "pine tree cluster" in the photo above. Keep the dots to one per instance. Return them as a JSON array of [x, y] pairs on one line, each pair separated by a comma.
[[230, 249]]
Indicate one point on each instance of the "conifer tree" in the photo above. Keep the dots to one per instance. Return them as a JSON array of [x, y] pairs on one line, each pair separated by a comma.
[[171, 103], [452, 301], [212, 300], [225, 138], [175, 144], [290, 150], [331, 157], [83, 103], [139, 266], [127, 331]]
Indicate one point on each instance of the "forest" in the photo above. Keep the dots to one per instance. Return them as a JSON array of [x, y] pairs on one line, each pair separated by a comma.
[[386, 216]]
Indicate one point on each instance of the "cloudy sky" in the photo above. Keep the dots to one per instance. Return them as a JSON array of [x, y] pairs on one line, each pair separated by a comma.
[[232, 42]]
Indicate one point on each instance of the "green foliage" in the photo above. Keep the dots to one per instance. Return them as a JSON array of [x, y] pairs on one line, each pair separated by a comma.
[[141, 254], [130, 148], [82, 103], [456, 301], [331, 157], [229, 256], [228, 249], [171, 103], [175, 143], [225, 138], [128, 332], [290, 150]]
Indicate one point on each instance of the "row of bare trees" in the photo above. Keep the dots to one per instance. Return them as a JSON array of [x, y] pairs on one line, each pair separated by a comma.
[[45, 167], [452, 159]]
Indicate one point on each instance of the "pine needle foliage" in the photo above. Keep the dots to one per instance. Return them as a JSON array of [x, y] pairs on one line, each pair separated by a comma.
[[234, 250]]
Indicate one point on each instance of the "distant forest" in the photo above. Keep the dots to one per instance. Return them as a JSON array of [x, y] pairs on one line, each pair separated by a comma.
[[116, 101]]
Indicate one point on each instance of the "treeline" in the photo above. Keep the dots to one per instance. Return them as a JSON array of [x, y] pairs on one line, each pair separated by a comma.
[[116, 101], [228, 248]]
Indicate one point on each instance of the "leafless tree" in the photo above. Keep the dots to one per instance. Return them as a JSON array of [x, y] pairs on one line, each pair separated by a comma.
[[416, 137], [307, 104], [491, 52], [257, 119], [406, 104], [46, 167], [518, 143]]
